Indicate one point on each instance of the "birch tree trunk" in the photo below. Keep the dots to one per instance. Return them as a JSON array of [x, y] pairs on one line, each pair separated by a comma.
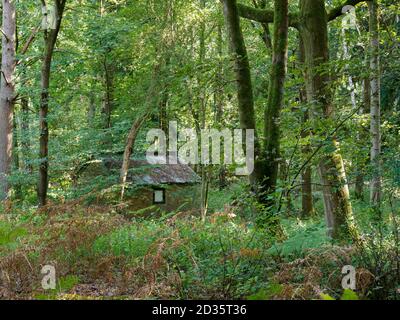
[[7, 94], [375, 195]]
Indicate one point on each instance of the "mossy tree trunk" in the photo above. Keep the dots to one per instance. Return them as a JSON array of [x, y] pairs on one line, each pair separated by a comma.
[[313, 27], [244, 83], [272, 115], [267, 156]]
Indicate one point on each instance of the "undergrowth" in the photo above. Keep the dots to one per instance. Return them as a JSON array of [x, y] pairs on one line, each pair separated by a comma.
[[99, 253]]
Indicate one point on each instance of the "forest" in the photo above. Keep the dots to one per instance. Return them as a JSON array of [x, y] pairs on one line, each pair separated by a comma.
[[200, 149]]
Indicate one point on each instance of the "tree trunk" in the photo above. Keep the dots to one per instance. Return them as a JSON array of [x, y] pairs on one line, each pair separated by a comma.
[[219, 102], [17, 186], [7, 94], [375, 104], [272, 113], [109, 93], [363, 136], [136, 125], [50, 38], [203, 109], [314, 32], [347, 57], [130, 142], [244, 86], [264, 177], [307, 207], [266, 33], [25, 135]]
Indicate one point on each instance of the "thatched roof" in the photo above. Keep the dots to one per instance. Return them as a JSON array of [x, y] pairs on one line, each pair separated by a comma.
[[143, 173]]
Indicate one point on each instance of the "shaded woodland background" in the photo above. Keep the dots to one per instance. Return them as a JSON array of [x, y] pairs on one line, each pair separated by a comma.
[[317, 80]]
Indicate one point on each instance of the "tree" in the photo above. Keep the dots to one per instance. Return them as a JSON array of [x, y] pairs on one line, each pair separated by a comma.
[[244, 83], [306, 175], [312, 23], [314, 33], [274, 106], [375, 103], [7, 94], [265, 174], [50, 38]]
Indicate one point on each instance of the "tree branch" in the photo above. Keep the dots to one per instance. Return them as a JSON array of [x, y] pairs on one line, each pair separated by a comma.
[[263, 15], [267, 16], [5, 36], [259, 15], [337, 12], [30, 40]]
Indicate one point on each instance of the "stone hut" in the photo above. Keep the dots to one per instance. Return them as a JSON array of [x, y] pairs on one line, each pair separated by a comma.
[[153, 187]]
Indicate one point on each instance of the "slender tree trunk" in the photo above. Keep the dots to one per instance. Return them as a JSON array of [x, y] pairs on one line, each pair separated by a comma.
[[163, 114], [136, 125], [244, 85], [314, 32], [347, 57], [219, 102], [17, 167], [264, 177], [165, 95], [130, 143], [363, 136], [50, 38], [25, 135], [266, 164], [272, 115], [376, 183], [203, 109], [109, 92], [7, 94], [307, 207]]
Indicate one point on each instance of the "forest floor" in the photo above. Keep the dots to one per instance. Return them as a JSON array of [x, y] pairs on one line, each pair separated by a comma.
[[101, 252]]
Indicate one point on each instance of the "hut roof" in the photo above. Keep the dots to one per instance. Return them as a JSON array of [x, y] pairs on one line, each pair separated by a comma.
[[143, 173]]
